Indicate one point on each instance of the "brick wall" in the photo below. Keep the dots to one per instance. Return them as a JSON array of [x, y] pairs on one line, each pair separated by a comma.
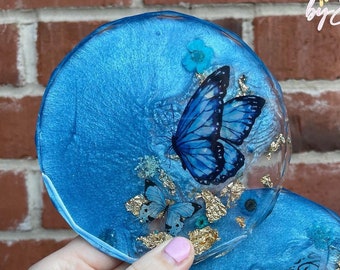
[[36, 34]]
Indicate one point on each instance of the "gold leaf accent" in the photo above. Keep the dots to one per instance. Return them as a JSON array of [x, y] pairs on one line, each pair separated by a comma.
[[173, 156], [203, 239], [200, 77], [154, 239], [167, 181], [234, 191], [134, 205], [243, 88], [266, 181], [275, 145], [214, 207], [241, 221]]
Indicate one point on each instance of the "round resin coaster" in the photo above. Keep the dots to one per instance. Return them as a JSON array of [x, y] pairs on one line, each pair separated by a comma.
[[160, 125]]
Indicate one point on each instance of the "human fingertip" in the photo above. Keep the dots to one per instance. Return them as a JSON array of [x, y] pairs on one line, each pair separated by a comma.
[[178, 249], [176, 254]]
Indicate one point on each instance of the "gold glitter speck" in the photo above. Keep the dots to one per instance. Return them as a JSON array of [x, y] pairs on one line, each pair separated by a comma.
[[133, 205], [154, 239], [167, 181], [234, 191], [266, 181], [200, 77], [275, 145], [243, 88], [241, 221], [203, 239], [214, 207]]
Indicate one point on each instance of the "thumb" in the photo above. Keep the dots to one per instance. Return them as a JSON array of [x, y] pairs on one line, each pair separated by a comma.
[[176, 254]]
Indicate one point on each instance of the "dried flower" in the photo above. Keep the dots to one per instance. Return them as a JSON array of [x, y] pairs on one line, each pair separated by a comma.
[[199, 56]]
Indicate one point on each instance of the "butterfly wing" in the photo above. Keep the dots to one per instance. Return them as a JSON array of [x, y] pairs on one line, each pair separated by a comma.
[[156, 202], [176, 215], [239, 115], [234, 160], [195, 140]]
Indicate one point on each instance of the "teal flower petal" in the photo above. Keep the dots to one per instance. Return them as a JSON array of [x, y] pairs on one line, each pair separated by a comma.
[[198, 57], [201, 222]]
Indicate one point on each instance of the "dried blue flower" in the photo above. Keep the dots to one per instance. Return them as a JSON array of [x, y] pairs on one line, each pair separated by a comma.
[[199, 56], [321, 235]]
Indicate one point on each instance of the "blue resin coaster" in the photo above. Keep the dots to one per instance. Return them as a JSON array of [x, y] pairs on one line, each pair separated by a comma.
[[160, 125]]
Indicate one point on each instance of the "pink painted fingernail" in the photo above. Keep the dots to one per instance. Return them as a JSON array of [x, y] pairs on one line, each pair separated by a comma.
[[178, 249]]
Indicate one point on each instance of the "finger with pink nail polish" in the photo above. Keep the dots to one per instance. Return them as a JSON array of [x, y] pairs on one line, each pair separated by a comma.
[[177, 254]]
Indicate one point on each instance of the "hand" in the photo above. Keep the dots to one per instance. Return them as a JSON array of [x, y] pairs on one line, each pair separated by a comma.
[[176, 254]]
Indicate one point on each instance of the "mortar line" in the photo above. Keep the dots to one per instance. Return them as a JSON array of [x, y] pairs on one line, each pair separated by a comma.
[[208, 11], [313, 87], [39, 234], [27, 62], [310, 87], [35, 201], [31, 90]]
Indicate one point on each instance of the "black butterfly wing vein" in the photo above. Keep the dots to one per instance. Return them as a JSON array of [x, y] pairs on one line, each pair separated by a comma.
[[239, 116], [234, 160]]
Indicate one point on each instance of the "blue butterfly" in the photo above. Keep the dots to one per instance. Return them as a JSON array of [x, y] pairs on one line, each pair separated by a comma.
[[210, 129], [158, 206]]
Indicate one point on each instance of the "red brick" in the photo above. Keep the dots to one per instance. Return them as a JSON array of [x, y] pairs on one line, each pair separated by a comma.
[[234, 25], [17, 126], [314, 121], [317, 182], [8, 54], [13, 200], [22, 254], [292, 48], [51, 219], [55, 40], [19, 4]]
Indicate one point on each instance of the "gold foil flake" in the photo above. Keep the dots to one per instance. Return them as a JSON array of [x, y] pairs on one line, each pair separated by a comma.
[[154, 239], [200, 77], [147, 167], [214, 207], [167, 181], [234, 191], [203, 239], [243, 88], [134, 205], [275, 145], [266, 181], [289, 140], [173, 156], [241, 221]]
